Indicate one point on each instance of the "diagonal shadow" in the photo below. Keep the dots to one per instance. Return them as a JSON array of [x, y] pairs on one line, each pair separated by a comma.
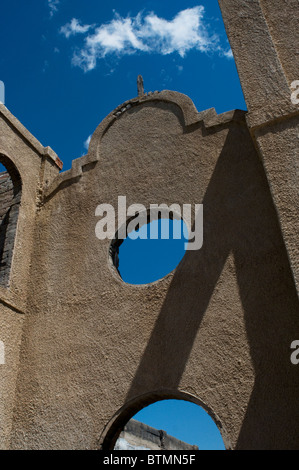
[[239, 217], [271, 311]]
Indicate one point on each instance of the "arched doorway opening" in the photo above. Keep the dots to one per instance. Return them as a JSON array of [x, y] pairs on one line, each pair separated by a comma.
[[205, 432]]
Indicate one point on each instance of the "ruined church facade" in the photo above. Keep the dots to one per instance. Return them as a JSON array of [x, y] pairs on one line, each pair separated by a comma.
[[84, 351]]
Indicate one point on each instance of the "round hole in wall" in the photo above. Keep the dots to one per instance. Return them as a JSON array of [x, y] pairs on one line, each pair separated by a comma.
[[151, 250]]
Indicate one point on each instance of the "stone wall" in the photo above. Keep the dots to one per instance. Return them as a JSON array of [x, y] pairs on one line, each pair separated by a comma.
[[140, 436]]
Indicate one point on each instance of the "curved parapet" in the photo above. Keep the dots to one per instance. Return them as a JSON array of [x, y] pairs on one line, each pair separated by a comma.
[[188, 116]]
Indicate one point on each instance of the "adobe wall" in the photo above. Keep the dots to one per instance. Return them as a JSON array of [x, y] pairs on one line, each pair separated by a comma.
[[85, 350], [264, 38], [26, 161], [217, 329]]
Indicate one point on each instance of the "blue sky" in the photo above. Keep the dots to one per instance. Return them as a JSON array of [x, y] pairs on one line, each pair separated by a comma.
[[67, 64], [185, 421], [145, 260]]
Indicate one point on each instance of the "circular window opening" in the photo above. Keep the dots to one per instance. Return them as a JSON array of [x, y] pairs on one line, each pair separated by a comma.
[[151, 250], [171, 425]]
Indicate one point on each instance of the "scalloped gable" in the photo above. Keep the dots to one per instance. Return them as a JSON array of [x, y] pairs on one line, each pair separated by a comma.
[[191, 116]]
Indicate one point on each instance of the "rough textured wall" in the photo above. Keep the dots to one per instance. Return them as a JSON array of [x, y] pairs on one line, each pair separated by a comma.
[[264, 37], [217, 329], [262, 77], [11, 324], [25, 160], [279, 147], [282, 20]]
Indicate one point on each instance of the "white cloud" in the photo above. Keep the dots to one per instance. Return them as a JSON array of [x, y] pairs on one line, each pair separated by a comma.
[[53, 5], [228, 54], [87, 141], [144, 33], [74, 27], [186, 31]]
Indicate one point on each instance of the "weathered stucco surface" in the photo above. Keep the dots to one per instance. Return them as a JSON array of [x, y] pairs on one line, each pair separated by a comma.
[[85, 351], [92, 343], [265, 39], [25, 153]]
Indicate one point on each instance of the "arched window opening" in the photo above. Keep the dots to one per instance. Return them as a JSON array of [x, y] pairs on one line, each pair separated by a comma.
[[10, 198]]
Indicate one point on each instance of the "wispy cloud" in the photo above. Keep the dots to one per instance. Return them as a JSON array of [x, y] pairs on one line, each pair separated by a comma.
[[228, 54], [74, 27], [45, 66], [143, 33], [87, 142], [53, 5]]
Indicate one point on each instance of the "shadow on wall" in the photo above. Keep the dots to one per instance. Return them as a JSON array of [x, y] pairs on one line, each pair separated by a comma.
[[10, 199], [239, 218]]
